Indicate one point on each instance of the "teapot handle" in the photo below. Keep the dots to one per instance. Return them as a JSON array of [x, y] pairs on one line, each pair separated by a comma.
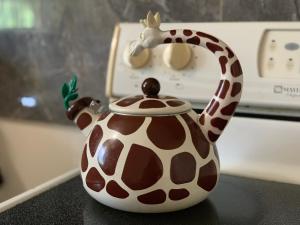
[[221, 107]]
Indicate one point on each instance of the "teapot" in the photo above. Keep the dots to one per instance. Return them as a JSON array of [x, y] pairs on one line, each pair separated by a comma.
[[151, 153]]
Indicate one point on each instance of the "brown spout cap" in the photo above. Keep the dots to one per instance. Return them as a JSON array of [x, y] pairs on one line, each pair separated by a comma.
[[77, 106]]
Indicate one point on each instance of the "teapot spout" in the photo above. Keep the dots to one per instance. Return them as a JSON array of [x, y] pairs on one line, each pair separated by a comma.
[[84, 113]]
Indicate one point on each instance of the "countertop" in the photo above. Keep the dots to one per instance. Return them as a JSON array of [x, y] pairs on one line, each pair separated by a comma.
[[236, 200]]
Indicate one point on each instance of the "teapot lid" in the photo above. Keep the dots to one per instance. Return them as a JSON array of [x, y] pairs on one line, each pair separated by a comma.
[[150, 103]]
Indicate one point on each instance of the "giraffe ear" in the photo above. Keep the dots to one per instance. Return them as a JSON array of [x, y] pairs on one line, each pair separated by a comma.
[[157, 19], [151, 22]]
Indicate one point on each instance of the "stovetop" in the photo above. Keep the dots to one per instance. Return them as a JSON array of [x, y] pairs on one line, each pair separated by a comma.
[[236, 200]]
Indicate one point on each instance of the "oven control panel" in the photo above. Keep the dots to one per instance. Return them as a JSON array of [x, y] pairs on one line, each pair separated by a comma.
[[280, 54], [269, 54]]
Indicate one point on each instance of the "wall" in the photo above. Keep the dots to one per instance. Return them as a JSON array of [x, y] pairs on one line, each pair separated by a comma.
[[43, 42]]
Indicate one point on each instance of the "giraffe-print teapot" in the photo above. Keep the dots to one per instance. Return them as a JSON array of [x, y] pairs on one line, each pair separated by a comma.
[[153, 153]]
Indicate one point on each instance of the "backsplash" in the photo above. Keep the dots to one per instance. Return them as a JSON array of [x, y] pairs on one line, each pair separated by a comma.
[[43, 42]]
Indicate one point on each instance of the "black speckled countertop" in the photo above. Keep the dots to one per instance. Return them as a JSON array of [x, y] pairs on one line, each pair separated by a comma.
[[236, 200]]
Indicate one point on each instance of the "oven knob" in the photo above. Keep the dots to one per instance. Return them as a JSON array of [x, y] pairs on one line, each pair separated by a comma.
[[177, 56], [137, 61]]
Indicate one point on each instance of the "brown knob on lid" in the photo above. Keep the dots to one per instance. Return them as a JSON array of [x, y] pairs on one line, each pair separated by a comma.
[[151, 87]]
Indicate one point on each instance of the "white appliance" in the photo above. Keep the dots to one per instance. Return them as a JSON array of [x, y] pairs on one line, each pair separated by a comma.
[[262, 140]]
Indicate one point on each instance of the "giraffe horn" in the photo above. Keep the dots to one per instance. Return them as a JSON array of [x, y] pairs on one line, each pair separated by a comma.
[[150, 20], [157, 19]]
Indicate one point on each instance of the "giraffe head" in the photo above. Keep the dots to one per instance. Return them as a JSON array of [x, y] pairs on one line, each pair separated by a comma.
[[150, 36]]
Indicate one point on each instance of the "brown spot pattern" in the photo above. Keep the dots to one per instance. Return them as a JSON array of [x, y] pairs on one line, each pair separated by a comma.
[[114, 189], [208, 176], [166, 132], [129, 101], [125, 124], [212, 136], [179, 40], [212, 38], [108, 155], [223, 60], [95, 139], [148, 104], [236, 69], [212, 108], [213, 47], [236, 88], [178, 194], [103, 115], [187, 32], [183, 168], [224, 88], [168, 40], [94, 180], [172, 32], [230, 52], [194, 40], [175, 103], [84, 160], [142, 169], [219, 123], [153, 197], [229, 109], [202, 119], [198, 138], [84, 120]]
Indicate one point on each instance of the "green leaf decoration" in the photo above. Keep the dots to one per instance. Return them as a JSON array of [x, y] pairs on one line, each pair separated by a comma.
[[71, 97], [73, 83], [65, 90], [66, 105], [69, 91]]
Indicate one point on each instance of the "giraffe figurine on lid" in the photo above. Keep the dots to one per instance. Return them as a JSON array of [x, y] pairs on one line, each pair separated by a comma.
[[152, 153]]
